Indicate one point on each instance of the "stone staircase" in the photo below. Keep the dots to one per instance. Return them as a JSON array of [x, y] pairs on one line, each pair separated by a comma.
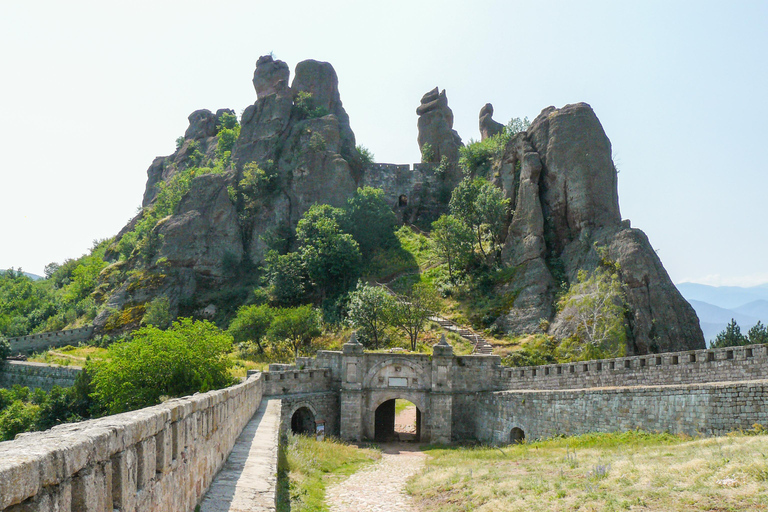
[[481, 344]]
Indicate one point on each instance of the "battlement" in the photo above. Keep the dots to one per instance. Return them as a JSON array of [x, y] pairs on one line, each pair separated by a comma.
[[688, 367], [46, 340], [289, 382]]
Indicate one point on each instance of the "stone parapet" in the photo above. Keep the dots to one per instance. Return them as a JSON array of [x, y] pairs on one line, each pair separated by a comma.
[[46, 340], [693, 409], [37, 375], [297, 381], [160, 458], [688, 367]]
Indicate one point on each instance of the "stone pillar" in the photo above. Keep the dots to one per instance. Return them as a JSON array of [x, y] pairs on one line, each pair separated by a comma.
[[352, 371], [441, 399]]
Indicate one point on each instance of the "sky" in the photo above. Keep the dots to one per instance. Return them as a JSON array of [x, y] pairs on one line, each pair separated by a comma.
[[92, 92]]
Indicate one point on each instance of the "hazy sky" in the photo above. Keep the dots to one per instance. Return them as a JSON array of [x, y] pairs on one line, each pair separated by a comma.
[[91, 92]]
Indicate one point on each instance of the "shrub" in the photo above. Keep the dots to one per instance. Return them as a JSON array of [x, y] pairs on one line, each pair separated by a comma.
[[306, 107], [298, 326], [5, 349], [189, 357], [366, 156]]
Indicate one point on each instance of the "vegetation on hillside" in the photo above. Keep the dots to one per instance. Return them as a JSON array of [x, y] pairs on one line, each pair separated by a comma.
[[620, 471]]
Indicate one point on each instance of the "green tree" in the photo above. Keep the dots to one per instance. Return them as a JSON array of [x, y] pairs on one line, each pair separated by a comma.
[[18, 417], [370, 221], [370, 311], [413, 309], [594, 308], [298, 326], [190, 356], [453, 242], [483, 207], [252, 324], [331, 258], [758, 334], [730, 337], [158, 313], [287, 277], [5, 349]]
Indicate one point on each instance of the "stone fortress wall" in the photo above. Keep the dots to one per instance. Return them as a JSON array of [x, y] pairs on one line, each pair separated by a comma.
[[165, 457], [37, 375], [160, 458], [46, 340]]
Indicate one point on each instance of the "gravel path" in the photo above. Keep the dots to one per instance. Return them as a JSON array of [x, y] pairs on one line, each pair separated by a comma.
[[380, 487]]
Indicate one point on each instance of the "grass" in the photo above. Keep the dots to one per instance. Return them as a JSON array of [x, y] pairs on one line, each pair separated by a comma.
[[599, 472], [69, 355], [306, 467]]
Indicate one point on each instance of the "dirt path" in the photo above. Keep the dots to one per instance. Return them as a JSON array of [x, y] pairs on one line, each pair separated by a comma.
[[380, 487]]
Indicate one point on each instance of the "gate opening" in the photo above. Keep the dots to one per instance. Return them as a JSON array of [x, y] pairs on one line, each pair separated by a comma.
[[517, 436], [303, 422], [397, 420]]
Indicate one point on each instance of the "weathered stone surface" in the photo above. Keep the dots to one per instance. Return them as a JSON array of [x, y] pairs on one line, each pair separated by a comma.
[[204, 231], [488, 127], [436, 129], [270, 77], [563, 188], [202, 124]]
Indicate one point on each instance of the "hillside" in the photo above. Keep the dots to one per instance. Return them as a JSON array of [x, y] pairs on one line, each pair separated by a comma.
[[222, 216], [717, 305]]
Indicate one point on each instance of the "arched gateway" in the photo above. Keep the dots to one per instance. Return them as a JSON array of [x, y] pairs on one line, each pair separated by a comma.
[[351, 393]]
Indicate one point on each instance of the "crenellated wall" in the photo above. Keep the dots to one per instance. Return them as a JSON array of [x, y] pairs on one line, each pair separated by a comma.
[[689, 367], [46, 340], [37, 375], [160, 458], [709, 409]]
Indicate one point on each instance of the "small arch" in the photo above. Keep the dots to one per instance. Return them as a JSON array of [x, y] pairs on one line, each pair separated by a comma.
[[516, 436], [303, 421], [387, 418], [402, 200]]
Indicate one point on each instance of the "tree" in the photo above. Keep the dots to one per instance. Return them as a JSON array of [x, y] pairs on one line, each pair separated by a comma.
[[287, 277], [453, 242], [370, 220], [483, 207], [5, 349], [252, 324], [758, 334], [413, 309], [331, 258], [594, 307], [370, 310], [299, 326], [730, 337], [158, 313], [189, 357]]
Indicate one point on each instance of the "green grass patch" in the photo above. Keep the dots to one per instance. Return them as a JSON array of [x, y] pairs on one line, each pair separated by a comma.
[[632, 470], [306, 467]]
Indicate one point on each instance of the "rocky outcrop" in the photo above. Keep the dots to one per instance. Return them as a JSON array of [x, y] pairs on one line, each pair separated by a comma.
[[488, 127], [436, 129], [563, 187]]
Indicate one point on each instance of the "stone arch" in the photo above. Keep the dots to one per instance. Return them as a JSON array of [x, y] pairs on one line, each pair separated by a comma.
[[516, 435], [416, 397], [383, 417], [418, 369], [303, 421]]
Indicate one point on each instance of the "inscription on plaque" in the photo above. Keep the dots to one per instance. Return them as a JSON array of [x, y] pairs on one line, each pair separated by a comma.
[[398, 382]]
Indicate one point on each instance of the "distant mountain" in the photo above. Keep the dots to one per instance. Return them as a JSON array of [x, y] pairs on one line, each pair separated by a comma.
[[757, 309], [717, 305], [728, 297], [33, 277]]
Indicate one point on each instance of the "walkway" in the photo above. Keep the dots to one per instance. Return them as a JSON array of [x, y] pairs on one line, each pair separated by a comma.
[[380, 487], [248, 479]]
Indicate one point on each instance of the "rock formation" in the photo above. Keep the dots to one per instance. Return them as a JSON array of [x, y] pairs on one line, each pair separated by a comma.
[[436, 129], [558, 175], [488, 127], [563, 188]]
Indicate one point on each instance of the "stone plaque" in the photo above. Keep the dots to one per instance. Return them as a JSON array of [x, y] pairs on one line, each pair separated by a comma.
[[398, 382], [351, 372]]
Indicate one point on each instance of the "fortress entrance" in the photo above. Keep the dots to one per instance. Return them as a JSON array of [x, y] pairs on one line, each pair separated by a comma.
[[516, 436], [303, 422], [397, 420]]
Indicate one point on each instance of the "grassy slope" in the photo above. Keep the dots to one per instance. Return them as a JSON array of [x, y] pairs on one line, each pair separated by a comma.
[[306, 467], [600, 472]]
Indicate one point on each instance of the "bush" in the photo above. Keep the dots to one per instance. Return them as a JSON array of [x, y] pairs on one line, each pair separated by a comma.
[[189, 357], [5, 349], [306, 107]]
